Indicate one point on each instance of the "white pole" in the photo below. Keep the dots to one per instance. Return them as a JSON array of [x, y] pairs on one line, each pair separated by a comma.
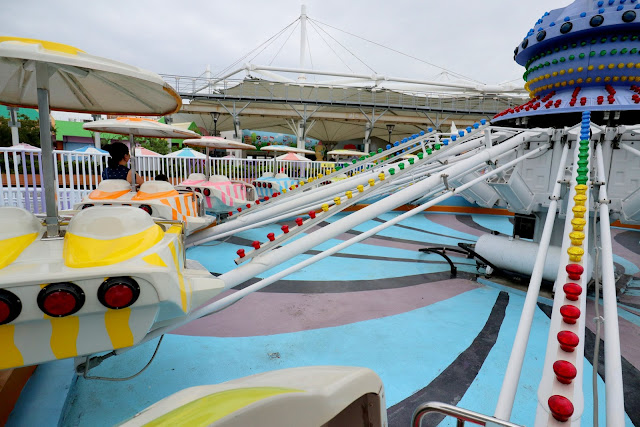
[[612, 359], [303, 41], [225, 302], [519, 348]]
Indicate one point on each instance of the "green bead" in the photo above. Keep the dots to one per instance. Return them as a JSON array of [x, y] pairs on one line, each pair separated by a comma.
[[362, 157], [436, 146], [603, 40], [583, 156], [572, 57], [556, 50], [565, 47], [594, 41], [392, 171], [623, 51], [614, 38], [592, 53], [582, 56], [583, 163], [583, 171], [584, 150], [379, 150], [634, 38], [421, 156], [371, 154], [634, 50], [562, 59], [411, 160], [574, 45], [338, 168], [401, 166], [583, 43], [429, 151], [624, 38], [354, 161], [603, 52], [614, 51], [582, 180], [546, 64]]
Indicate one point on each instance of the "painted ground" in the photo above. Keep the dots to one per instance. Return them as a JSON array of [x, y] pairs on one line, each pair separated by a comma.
[[381, 304]]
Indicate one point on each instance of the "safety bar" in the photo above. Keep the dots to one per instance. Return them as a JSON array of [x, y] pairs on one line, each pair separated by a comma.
[[461, 414]]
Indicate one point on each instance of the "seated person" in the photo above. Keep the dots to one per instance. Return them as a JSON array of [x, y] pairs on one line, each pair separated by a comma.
[[117, 163], [161, 177]]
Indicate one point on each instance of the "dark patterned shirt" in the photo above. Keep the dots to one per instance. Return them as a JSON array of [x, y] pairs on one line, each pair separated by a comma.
[[119, 172]]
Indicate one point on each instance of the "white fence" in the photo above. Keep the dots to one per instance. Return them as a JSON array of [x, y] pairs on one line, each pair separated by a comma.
[[78, 174]]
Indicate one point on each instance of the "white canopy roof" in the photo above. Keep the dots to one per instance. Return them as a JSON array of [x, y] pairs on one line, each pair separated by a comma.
[[79, 81], [138, 127], [219, 143], [286, 149]]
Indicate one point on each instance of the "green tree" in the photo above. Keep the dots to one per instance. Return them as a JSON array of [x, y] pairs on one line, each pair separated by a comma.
[[29, 131], [159, 145]]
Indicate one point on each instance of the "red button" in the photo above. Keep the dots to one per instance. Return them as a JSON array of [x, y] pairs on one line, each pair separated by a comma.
[[240, 253], [570, 313], [574, 271], [561, 408], [568, 341], [272, 237], [312, 214], [572, 291], [285, 229], [565, 371], [299, 221], [256, 245]]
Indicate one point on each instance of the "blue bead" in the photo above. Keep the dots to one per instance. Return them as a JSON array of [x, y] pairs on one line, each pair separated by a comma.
[[468, 129], [567, 19], [476, 125], [461, 133], [430, 130], [623, 1], [600, 10], [396, 143], [421, 133], [553, 24], [611, 2], [454, 137], [637, 6], [620, 7], [483, 121], [600, 3], [445, 141], [583, 14], [388, 147], [404, 140]]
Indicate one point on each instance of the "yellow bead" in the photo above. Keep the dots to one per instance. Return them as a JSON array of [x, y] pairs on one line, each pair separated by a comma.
[[562, 72], [638, 65], [580, 69], [601, 67], [579, 211], [571, 82], [349, 194], [623, 78], [325, 207], [598, 79], [590, 68], [589, 79], [580, 199], [301, 182], [337, 200], [311, 179], [360, 188], [554, 74], [570, 70], [320, 175], [581, 189], [611, 66], [563, 84], [575, 254], [616, 78], [578, 224], [372, 182], [284, 190], [576, 238], [606, 79], [579, 81], [381, 176]]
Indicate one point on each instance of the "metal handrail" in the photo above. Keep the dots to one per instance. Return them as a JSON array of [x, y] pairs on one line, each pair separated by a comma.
[[461, 414]]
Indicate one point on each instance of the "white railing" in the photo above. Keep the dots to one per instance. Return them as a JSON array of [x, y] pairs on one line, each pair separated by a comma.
[[78, 174]]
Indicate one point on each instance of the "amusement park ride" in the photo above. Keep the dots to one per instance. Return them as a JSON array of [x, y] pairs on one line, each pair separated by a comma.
[[113, 277]]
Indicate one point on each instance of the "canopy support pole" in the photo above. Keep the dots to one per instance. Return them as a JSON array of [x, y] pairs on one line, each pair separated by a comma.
[[132, 150], [50, 185]]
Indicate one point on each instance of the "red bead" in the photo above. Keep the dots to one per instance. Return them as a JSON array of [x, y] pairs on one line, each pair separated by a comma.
[[257, 201], [274, 195], [271, 236], [572, 291], [239, 209], [561, 408], [568, 341], [285, 229], [574, 271], [256, 245], [299, 221], [570, 313], [565, 371], [230, 213], [266, 198], [248, 205], [312, 214], [240, 253]]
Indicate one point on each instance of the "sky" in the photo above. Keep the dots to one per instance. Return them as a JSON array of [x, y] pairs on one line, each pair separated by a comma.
[[473, 38]]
